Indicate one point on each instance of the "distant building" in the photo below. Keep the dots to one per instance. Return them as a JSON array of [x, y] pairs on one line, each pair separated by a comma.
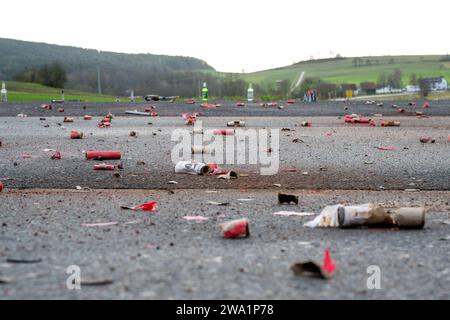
[[412, 88], [388, 89], [368, 87], [437, 84]]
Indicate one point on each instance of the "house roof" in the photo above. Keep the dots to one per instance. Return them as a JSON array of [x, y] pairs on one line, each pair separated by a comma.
[[368, 86]]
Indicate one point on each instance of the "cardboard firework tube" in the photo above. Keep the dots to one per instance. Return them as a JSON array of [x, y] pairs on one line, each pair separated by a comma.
[[108, 167], [306, 124], [235, 229], [390, 124], [357, 216], [197, 130], [76, 134], [103, 155], [199, 149], [86, 117], [1, 186], [409, 218], [236, 124]]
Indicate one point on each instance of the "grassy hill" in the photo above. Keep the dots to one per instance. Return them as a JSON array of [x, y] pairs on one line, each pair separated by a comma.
[[343, 70], [23, 91]]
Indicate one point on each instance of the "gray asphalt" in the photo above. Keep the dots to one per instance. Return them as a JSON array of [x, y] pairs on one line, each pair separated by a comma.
[[346, 158], [160, 255], [253, 109]]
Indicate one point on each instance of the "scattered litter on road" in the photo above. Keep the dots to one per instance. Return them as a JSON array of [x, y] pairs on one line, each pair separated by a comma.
[[85, 281], [133, 134], [68, 119], [76, 134], [312, 268], [56, 156], [369, 215], [293, 213], [200, 150], [1, 186], [172, 182], [6, 280], [103, 155], [235, 229], [287, 198], [306, 124], [236, 123], [426, 139], [25, 156], [224, 132], [191, 167], [277, 185], [138, 113], [385, 148], [214, 203], [197, 219], [150, 206], [390, 123], [231, 175], [19, 260], [87, 117], [99, 224], [103, 166]]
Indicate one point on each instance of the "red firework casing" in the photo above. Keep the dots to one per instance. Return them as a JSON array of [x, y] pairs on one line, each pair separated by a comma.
[[291, 101], [76, 134], [224, 132], [426, 104], [235, 229], [60, 109], [103, 155], [86, 117], [109, 167], [306, 124], [57, 156], [1, 186], [106, 119], [240, 104]]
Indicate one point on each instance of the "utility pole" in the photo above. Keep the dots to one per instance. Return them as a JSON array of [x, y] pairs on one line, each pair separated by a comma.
[[99, 83]]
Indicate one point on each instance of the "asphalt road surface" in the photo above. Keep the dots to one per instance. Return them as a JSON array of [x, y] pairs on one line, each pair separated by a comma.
[[161, 255]]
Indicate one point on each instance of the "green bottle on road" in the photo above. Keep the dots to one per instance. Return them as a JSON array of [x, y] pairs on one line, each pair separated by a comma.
[[204, 92]]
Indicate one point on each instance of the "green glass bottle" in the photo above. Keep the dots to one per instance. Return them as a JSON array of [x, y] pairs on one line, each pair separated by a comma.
[[204, 92]]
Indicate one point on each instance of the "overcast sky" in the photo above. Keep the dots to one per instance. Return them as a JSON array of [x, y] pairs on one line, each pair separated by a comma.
[[232, 35]]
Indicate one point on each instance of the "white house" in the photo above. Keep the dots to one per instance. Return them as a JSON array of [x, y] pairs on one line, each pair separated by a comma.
[[412, 88], [388, 89], [438, 84]]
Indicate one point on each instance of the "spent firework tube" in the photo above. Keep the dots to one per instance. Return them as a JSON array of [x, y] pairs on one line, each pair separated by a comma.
[[224, 132], [199, 150], [103, 166], [235, 229], [236, 124], [1, 186], [191, 167], [390, 123], [74, 134], [306, 124], [86, 117], [103, 155]]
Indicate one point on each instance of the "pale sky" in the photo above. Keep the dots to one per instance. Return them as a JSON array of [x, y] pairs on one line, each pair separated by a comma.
[[232, 35]]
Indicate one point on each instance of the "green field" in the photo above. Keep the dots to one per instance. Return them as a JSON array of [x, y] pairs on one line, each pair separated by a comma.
[[343, 70], [23, 91]]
